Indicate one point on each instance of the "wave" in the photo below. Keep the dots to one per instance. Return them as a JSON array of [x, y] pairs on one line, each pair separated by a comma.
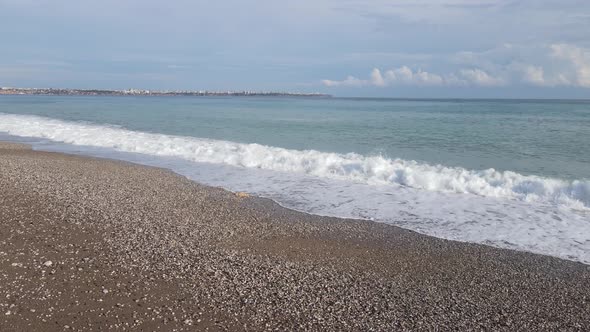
[[372, 170]]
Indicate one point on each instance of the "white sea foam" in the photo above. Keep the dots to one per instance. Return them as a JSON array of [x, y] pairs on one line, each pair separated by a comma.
[[372, 170], [503, 209]]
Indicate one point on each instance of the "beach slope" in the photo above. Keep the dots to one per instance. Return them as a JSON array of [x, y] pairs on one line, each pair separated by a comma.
[[93, 244]]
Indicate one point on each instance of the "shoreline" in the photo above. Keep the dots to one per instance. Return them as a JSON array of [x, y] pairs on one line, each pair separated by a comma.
[[247, 263], [6, 91]]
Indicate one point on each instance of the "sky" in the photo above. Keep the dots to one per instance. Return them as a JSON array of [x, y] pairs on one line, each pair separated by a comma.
[[370, 48]]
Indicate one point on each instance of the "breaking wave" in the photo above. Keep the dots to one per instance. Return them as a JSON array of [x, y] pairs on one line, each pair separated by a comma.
[[372, 170]]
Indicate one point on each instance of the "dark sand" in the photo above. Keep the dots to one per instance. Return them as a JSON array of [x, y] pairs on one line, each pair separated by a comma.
[[91, 244]]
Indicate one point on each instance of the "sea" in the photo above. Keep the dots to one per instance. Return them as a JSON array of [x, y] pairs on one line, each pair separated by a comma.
[[506, 173]]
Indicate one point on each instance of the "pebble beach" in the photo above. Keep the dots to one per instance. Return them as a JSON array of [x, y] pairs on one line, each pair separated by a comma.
[[91, 244]]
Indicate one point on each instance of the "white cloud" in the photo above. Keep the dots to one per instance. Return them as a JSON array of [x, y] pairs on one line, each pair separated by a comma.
[[376, 78], [537, 75], [406, 76], [578, 61], [536, 65], [349, 81], [480, 77], [534, 75]]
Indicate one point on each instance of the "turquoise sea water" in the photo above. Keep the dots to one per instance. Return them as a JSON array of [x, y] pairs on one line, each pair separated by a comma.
[[549, 138], [510, 173]]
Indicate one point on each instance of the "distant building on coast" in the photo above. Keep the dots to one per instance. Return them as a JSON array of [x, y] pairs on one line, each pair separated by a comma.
[[140, 92]]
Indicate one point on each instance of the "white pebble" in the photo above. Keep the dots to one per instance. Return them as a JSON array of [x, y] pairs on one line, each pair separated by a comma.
[[48, 263]]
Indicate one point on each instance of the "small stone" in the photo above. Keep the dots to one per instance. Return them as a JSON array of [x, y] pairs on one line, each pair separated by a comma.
[[104, 291], [242, 195], [48, 263], [188, 321]]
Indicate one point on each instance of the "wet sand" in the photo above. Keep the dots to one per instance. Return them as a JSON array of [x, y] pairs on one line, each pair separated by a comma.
[[94, 244]]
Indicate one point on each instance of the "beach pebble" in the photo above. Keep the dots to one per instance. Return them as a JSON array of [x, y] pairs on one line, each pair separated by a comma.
[[48, 263]]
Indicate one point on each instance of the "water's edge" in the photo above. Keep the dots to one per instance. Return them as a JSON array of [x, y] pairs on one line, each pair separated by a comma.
[[425, 213], [41, 146]]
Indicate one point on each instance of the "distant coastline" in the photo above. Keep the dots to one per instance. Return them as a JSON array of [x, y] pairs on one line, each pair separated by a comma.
[[138, 92]]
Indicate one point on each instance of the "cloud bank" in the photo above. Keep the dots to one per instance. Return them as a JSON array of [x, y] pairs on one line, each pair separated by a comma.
[[406, 76], [553, 65]]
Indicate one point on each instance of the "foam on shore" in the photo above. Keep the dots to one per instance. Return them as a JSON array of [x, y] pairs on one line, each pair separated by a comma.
[[372, 170], [504, 209]]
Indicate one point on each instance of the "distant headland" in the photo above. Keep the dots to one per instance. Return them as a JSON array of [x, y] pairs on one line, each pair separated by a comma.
[[139, 92]]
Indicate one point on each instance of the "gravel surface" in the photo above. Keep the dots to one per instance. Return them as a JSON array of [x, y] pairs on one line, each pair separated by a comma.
[[93, 244]]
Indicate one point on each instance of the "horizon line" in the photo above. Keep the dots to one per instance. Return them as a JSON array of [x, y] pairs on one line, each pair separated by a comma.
[[269, 93]]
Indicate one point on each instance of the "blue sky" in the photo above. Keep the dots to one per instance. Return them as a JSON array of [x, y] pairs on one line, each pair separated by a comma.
[[389, 48]]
